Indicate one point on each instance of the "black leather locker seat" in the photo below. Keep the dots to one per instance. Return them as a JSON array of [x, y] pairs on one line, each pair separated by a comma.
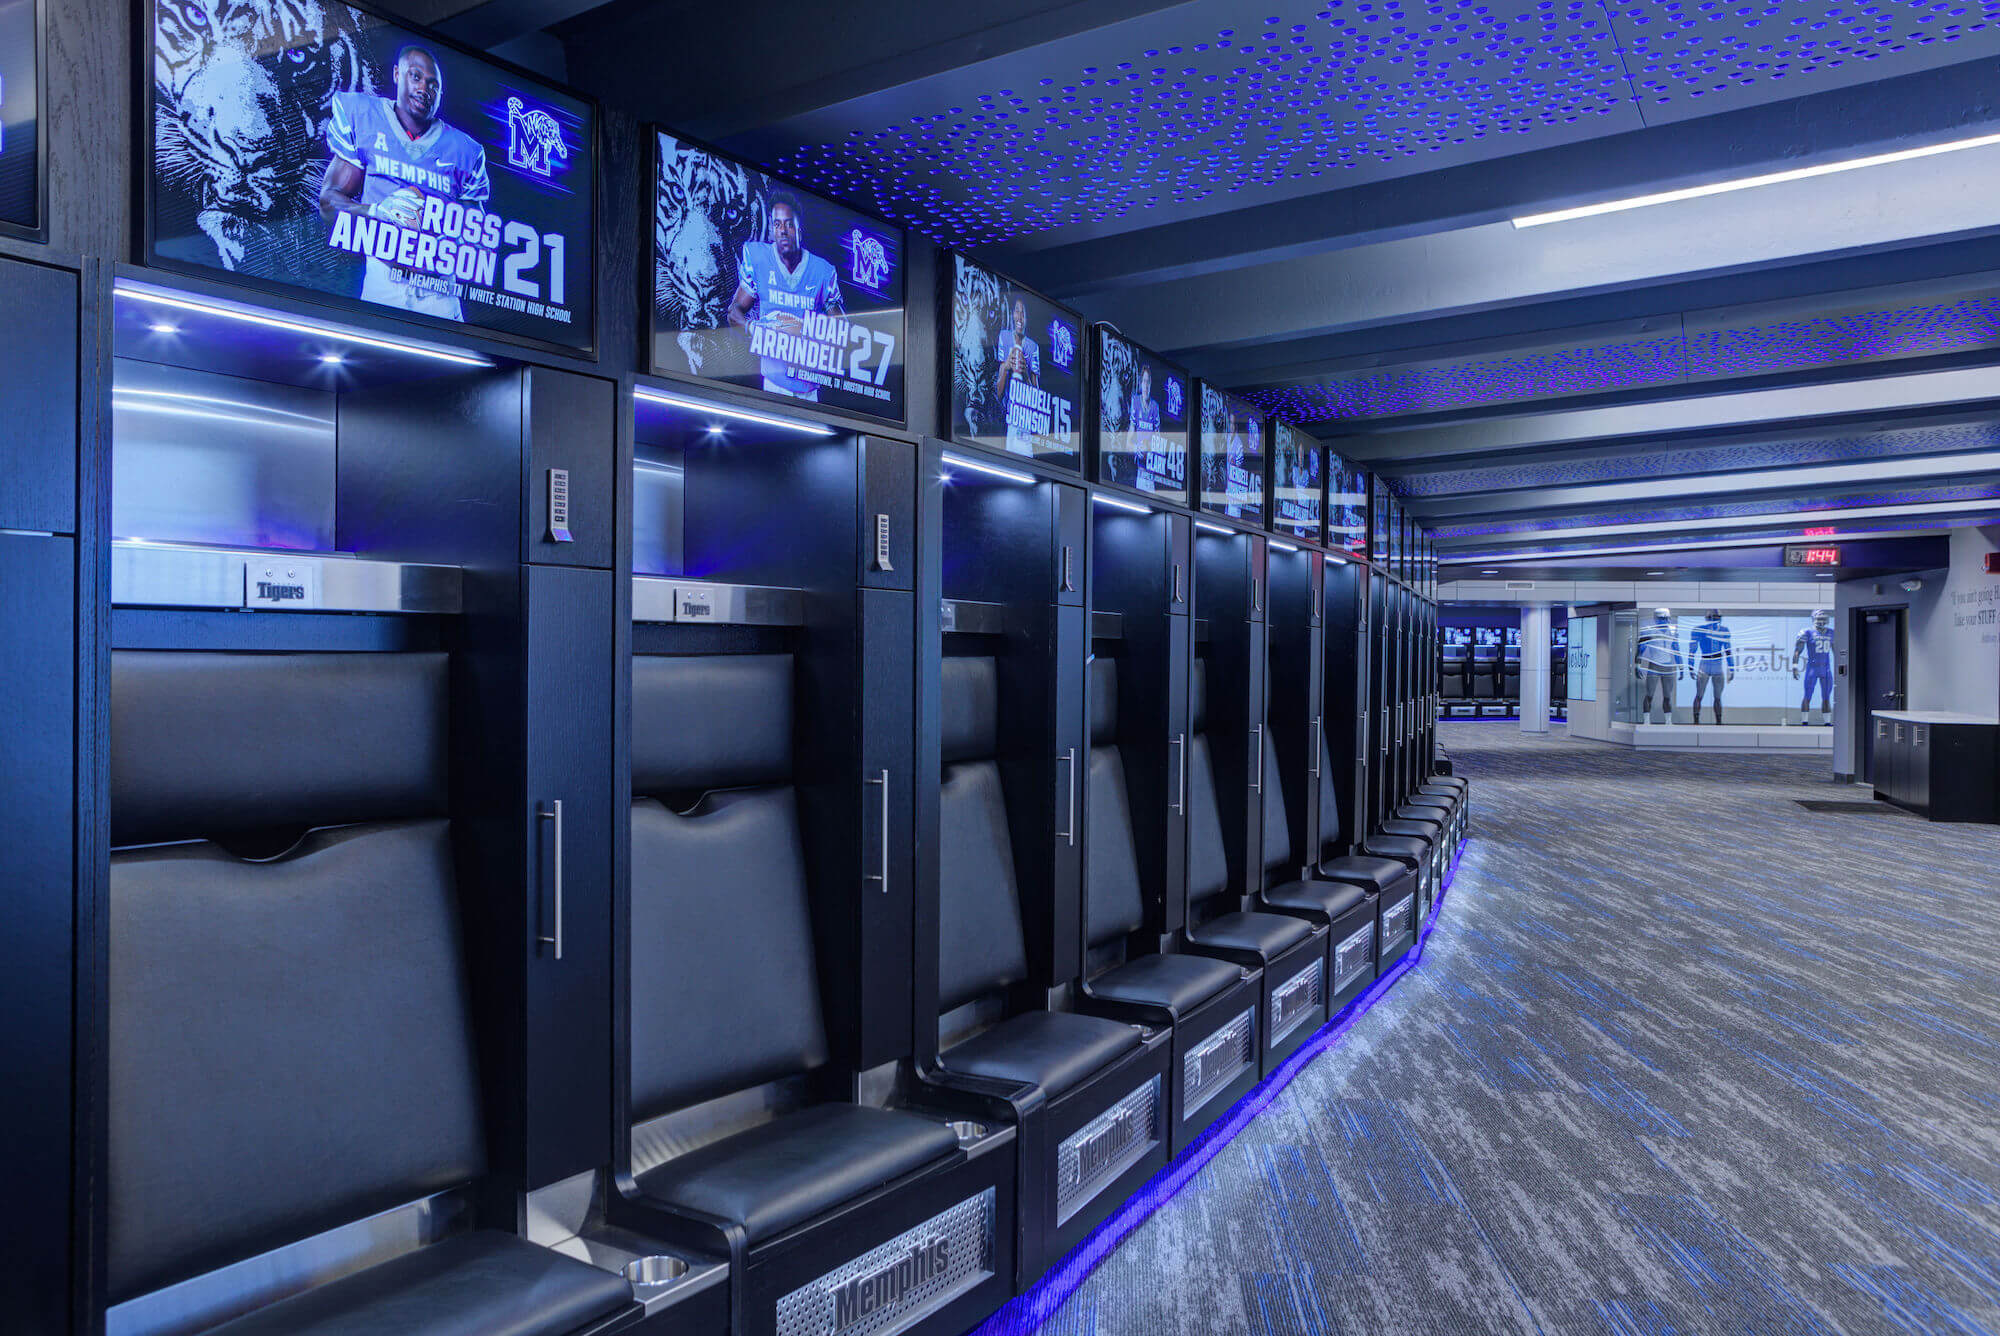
[[725, 983], [1327, 899], [1372, 871], [982, 948], [1055, 1050], [1407, 848], [780, 1174], [481, 1284], [1269, 935], [290, 1042], [1416, 828], [1114, 902], [1176, 982]]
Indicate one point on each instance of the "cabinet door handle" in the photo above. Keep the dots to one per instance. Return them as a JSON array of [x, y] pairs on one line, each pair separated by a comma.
[[1258, 786], [1069, 758], [1319, 727], [1180, 776], [553, 815], [1177, 584], [882, 778]]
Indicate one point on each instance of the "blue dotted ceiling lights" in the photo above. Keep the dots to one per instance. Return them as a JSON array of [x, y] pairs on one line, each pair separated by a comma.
[[1959, 324], [1330, 88]]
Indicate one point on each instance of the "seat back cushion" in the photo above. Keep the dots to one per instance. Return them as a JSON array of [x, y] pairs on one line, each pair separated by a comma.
[[1277, 825], [1329, 799], [290, 1045], [725, 990], [715, 721], [1113, 901], [1208, 862], [980, 943], [207, 745]]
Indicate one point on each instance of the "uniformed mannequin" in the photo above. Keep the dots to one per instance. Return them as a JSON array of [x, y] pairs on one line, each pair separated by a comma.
[[1815, 648], [1656, 659], [1713, 659]]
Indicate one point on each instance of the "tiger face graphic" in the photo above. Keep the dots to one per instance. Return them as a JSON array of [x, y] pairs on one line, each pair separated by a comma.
[[704, 210], [975, 327], [1117, 378], [241, 94]]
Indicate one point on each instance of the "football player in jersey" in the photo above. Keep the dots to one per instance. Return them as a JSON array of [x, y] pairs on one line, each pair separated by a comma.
[[388, 156], [1815, 647], [777, 284], [1020, 364]]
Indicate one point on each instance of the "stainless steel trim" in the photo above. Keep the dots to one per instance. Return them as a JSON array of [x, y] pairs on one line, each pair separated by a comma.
[[882, 778], [555, 816], [964, 614], [657, 598], [1069, 834], [173, 575]]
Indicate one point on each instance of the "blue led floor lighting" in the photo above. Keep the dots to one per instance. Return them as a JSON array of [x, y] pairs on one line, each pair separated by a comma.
[[1025, 1314]]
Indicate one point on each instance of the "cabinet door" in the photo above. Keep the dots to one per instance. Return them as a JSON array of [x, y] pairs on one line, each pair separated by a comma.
[[1071, 776], [887, 814], [1180, 650], [887, 557], [38, 782], [569, 749], [571, 422], [1072, 520], [38, 398], [1180, 559]]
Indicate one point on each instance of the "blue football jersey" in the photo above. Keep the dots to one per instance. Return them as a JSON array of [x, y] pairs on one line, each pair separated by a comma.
[[1030, 351], [442, 161], [811, 288]]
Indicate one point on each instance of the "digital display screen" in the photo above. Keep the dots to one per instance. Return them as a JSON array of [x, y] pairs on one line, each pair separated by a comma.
[[1378, 525], [1487, 637], [1812, 556], [1016, 368], [760, 285], [1456, 637], [1297, 498], [1143, 419], [1346, 506], [345, 155], [1232, 455], [20, 117], [1582, 652]]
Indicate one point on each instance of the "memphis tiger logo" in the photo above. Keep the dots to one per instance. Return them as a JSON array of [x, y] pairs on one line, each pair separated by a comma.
[[534, 139], [1062, 344], [1176, 396], [868, 260]]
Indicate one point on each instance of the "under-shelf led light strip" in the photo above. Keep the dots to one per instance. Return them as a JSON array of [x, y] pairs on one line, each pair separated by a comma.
[[991, 470], [243, 315], [693, 405]]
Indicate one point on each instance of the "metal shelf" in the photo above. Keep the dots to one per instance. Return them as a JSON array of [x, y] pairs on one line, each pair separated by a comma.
[[657, 598], [175, 575]]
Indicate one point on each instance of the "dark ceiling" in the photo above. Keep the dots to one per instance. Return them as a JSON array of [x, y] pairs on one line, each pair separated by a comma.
[[1313, 203]]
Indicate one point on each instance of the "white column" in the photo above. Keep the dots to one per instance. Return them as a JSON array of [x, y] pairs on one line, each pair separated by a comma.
[[1535, 668]]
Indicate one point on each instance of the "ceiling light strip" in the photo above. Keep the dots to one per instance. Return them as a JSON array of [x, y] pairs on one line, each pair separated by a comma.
[[692, 405]]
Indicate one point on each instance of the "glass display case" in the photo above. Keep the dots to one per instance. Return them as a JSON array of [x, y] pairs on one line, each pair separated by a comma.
[[1712, 666]]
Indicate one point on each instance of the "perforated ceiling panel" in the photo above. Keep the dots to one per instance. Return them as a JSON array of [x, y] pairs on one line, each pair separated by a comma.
[[1203, 106], [1666, 517]]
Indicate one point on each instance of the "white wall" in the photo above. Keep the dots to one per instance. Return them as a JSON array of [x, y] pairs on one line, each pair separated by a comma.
[[1954, 625]]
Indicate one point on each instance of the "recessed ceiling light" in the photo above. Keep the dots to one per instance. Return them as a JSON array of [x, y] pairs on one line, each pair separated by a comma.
[[1489, 572], [1656, 572], [332, 359], [1750, 182], [161, 327]]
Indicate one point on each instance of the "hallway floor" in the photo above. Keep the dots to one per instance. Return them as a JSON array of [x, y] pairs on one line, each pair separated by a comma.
[[1681, 1057]]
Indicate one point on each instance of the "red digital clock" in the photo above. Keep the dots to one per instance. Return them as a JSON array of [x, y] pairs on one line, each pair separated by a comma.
[[1812, 556]]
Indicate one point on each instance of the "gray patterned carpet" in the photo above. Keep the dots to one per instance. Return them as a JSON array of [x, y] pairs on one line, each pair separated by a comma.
[[1681, 1057]]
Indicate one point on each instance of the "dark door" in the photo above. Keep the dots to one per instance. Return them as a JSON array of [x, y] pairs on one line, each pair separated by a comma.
[[1883, 669]]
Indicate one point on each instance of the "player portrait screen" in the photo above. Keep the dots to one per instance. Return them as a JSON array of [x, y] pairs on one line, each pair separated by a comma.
[[1143, 410], [761, 285], [1016, 359], [1346, 506], [1232, 455], [1296, 504], [20, 196], [365, 161]]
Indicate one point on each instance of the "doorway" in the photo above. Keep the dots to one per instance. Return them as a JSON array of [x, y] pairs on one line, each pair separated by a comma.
[[1880, 637]]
